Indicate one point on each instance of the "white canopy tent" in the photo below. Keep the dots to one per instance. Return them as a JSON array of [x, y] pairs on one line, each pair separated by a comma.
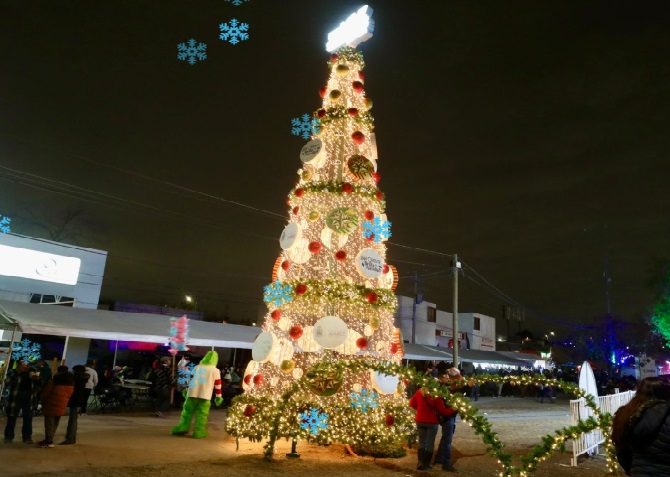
[[118, 326]]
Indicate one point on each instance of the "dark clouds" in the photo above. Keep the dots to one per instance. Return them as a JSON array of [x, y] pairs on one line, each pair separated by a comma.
[[528, 137]]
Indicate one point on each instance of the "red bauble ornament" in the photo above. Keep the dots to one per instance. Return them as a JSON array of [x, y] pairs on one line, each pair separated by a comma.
[[386, 269], [258, 379], [285, 265], [275, 315], [249, 411], [353, 112], [295, 332], [323, 91], [314, 247], [369, 215], [358, 86], [376, 176], [371, 238], [288, 201], [394, 348], [371, 297], [301, 289], [341, 255], [379, 195], [247, 379], [321, 113], [358, 137], [296, 209], [334, 57], [361, 75], [390, 420], [347, 187], [362, 342], [299, 192]]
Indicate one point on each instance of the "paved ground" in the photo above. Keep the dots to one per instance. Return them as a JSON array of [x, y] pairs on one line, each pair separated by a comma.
[[114, 445]]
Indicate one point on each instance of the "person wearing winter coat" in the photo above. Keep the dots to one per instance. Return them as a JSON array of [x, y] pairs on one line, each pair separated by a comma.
[[76, 403], [428, 410], [55, 398], [24, 387], [641, 430]]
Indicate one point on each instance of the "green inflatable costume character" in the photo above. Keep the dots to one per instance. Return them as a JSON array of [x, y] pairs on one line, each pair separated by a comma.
[[206, 378]]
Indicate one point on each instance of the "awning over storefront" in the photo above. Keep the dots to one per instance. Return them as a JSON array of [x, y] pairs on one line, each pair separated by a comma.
[[115, 325], [420, 352]]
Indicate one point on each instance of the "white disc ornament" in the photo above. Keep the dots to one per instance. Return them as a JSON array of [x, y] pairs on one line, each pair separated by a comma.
[[330, 332], [384, 383], [297, 373], [368, 330], [369, 263], [290, 236], [314, 152], [300, 253], [263, 347], [274, 381]]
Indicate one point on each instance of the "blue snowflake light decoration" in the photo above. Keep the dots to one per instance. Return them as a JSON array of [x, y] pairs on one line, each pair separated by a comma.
[[4, 224], [365, 400], [277, 293], [378, 229], [314, 420], [234, 31], [305, 126], [26, 351], [184, 374], [199, 378], [237, 3], [192, 51]]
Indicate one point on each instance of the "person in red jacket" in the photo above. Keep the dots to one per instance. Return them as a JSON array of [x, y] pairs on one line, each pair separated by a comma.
[[428, 410], [55, 398]]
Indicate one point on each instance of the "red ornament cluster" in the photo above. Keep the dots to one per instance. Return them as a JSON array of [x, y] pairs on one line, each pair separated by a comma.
[[295, 332]]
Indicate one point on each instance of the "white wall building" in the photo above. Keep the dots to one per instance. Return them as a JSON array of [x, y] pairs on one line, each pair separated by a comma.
[[425, 324], [40, 271]]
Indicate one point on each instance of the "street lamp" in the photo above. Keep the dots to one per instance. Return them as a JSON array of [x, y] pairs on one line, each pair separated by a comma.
[[189, 299]]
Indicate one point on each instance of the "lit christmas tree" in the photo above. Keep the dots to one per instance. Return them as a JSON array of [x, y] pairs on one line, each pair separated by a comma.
[[331, 300]]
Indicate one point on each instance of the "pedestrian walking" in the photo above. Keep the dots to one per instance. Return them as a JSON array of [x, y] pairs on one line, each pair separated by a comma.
[[55, 398]]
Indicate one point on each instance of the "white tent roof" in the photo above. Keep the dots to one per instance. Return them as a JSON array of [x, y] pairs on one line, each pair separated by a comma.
[[115, 325]]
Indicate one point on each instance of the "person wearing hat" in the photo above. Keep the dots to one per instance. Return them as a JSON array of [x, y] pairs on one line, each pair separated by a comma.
[[162, 384]]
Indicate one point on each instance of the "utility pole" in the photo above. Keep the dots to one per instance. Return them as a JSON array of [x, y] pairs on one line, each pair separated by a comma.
[[454, 320], [416, 291]]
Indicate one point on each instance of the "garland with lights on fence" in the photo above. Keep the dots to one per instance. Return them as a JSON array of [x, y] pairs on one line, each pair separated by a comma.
[[294, 417]]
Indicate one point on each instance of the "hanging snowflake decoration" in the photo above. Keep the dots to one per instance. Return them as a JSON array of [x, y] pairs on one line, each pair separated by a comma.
[[26, 351], [365, 400], [234, 31], [313, 420], [237, 3], [305, 126], [4, 224], [199, 377], [277, 293], [192, 51], [184, 374], [378, 229]]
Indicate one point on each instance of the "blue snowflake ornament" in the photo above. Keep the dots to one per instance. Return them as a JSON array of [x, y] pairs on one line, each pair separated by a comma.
[[234, 31], [364, 400], [192, 51], [26, 351], [4, 224], [237, 3], [184, 374], [313, 420], [305, 126], [277, 293], [378, 229], [199, 377]]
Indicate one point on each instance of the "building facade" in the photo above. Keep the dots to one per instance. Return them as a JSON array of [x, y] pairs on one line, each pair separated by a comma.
[[423, 323]]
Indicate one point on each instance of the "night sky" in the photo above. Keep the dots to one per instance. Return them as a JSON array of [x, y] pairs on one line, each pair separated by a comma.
[[528, 137]]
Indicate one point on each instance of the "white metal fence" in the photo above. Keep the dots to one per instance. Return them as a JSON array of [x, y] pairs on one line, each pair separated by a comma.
[[588, 442]]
